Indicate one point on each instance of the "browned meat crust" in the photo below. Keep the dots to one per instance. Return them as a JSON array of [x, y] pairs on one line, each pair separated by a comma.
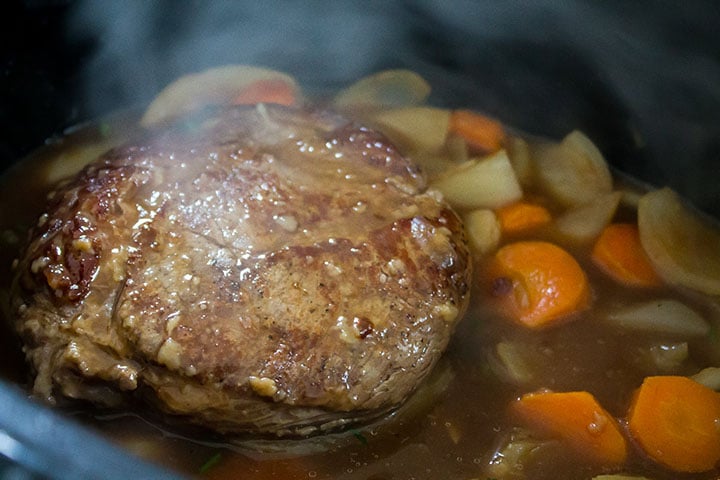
[[260, 269]]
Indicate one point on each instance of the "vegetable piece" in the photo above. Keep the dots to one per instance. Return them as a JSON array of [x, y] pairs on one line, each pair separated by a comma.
[[662, 316], [519, 154], [519, 449], [483, 230], [432, 163], [387, 89], [684, 248], [522, 216], [515, 362], [619, 253], [710, 377], [668, 357], [454, 432], [574, 172], [414, 128], [537, 282], [489, 182], [583, 223], [272, 90], [457, 149], [429, 393], [482, 133], [631, 198], [675, 421], [217, 86], [577, 419], [435, 161]]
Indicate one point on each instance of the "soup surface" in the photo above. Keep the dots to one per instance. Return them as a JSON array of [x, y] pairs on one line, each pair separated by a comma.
[[569, 296]]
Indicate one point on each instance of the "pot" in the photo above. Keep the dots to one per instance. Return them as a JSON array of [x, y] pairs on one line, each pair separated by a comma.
[[642, 80]]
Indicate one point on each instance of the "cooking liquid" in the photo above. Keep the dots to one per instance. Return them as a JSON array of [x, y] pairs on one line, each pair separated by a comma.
[[451, 428]]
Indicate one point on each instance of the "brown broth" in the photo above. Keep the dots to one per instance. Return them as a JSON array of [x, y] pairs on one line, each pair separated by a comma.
[[451, 428]]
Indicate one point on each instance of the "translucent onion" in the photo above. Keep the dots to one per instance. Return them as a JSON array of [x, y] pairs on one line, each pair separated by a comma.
[[661, 316], [428, 392], [211, 87], [518, 449], [387, 89], [574, 172], [710, 377], [585, 222], [514, 362], [684, 248], [489, 182]]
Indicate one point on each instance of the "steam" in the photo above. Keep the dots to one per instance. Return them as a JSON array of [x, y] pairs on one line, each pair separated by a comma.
[[643, 80], [144, 45]]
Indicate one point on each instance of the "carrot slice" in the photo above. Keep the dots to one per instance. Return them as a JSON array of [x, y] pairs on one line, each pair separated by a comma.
[[266, 91], [480, 132], [537, 282], [619, 253], [578, 420], [676, 421], [521, 216]]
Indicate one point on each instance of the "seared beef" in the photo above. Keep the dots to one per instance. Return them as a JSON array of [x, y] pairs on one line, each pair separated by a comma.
[[258, 269]]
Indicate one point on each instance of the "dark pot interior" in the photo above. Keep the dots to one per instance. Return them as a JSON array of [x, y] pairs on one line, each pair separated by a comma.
[[641, 79]]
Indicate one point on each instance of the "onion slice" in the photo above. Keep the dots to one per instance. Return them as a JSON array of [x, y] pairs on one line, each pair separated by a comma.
[[684, 248], [574, 172], [585, 222], [215, 86], [710, 377], [661, 316], [387, 89]]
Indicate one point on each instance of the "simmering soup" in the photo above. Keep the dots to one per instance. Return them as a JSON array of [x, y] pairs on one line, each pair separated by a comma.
[[590, 347]]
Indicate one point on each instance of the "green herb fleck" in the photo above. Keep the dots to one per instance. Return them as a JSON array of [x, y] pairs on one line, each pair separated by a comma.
[[105, 129], [359, 436], [212, 462]]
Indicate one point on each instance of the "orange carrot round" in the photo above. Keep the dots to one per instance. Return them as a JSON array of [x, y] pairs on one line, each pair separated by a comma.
[[522, 216], [676, 421], [619, 253], [577, 419], [537, 282], [480, 132]]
